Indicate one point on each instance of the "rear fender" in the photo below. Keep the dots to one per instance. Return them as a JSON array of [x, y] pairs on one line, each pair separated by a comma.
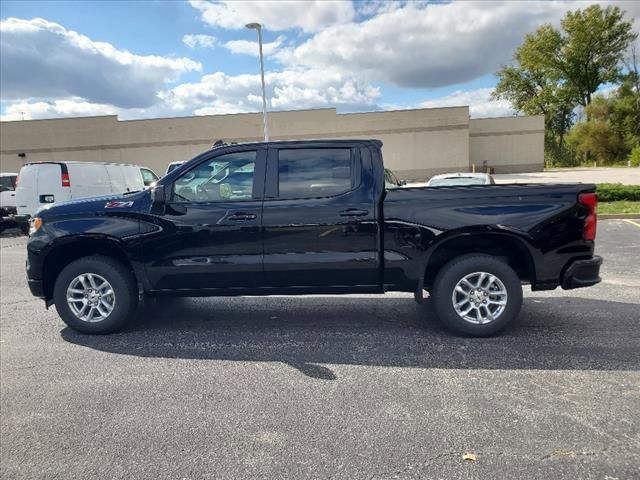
[[479, 236]]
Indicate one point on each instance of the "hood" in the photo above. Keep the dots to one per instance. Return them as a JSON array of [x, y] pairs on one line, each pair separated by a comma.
[[102, 204]]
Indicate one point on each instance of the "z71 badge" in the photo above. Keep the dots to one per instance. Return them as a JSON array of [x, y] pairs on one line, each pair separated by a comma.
[[118, 204]]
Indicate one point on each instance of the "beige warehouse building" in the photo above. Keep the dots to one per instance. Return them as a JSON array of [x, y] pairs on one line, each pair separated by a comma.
[[417, 143]]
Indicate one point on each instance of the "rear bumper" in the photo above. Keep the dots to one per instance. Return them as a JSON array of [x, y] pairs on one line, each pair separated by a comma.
[[582, 273]]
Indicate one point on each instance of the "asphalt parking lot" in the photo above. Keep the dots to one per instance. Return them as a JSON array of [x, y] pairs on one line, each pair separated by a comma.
[[327, 387]]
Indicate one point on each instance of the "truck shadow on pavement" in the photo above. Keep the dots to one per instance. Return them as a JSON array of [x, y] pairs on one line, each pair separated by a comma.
[[313, 333]]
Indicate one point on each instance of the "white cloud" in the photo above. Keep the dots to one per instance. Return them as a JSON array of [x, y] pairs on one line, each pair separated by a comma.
[[43, 60], [286, 90], [479, 101], [251, 48], [199, 40], [309, 16], [428, 45], [48, 71], [70, 107], [218, 93], [367, 8]]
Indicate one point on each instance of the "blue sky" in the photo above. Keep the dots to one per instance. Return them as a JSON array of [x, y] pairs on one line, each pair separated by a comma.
[[173, 58]]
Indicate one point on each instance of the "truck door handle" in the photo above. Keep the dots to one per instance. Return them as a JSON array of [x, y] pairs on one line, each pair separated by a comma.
[[353, 212], [242, 216]]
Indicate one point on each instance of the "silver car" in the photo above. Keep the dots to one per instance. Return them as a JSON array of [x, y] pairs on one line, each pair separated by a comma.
[[460, 179]]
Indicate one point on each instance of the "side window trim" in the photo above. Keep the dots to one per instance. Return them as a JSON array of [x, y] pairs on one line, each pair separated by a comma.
[[272, 179], [258, 176]]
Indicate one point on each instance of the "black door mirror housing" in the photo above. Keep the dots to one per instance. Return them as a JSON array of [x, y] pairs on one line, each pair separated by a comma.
[[158, 199]]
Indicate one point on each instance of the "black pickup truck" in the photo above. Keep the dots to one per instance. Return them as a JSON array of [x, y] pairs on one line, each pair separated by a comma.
[[307, 217]]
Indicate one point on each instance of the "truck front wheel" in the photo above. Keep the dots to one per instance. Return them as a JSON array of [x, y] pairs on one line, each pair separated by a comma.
[[477, 295], [95, 294]]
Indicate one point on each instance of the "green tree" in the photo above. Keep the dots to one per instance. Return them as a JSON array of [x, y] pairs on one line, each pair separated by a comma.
[[600, 137], [554, 70], [630, 88], [612, 129], [593, 47], [534, 89]]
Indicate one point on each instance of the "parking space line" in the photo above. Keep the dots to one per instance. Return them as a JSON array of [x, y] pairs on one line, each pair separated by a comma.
[[632, 222]]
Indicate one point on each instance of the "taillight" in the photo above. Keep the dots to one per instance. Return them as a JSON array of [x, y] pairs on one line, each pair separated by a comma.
[[589, 200], [15, 185], [65, 180]]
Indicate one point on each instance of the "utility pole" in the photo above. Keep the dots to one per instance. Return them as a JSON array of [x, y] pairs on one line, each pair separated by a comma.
[[258, 27]]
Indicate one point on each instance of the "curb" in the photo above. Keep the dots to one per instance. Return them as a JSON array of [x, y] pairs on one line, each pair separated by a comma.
[[619, 216]]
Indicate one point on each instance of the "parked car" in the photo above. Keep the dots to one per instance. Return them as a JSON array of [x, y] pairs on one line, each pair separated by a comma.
[[460, 178], [305, 217], [43, 183], [7, 194], [172, 166], [149, 177]]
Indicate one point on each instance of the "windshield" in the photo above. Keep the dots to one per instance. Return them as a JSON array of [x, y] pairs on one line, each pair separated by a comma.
[[453, 181]]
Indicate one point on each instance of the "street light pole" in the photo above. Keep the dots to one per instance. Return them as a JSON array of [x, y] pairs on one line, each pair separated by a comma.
[[258, 27]]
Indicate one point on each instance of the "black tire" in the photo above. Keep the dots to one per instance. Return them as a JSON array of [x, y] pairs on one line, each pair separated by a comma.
[[453, 272], [124, 288]]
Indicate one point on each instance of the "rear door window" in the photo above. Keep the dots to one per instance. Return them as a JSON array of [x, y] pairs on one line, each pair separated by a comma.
[[313, 173]]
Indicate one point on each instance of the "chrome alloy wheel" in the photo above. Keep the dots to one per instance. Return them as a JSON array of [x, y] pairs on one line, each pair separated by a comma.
[[479, 298], [90, 297]]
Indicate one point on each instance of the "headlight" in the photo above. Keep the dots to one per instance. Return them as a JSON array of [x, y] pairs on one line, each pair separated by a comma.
[[34, 225]]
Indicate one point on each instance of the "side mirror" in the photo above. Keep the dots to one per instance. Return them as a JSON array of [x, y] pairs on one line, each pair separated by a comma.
[[158, 199], [403, 182]]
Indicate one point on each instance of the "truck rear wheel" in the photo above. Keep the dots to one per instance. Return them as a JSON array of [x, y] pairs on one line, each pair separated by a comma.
[[95, 294], [477, 295]]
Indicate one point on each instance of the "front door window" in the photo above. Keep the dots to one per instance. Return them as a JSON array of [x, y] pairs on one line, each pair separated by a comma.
[[226, 178]]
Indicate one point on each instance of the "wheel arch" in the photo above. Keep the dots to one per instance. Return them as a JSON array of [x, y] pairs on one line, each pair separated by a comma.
[[63, 252], [502, 244]]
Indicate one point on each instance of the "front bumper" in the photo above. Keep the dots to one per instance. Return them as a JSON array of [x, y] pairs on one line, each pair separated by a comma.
[[582, 273], [36, 287], [34, 279]]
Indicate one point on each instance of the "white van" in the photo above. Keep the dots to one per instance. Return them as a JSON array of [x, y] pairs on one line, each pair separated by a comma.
[[7, 193], [48, 182]]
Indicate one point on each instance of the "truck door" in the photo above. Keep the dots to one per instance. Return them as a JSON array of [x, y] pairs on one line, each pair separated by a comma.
[[319, 220], [209, 235]]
